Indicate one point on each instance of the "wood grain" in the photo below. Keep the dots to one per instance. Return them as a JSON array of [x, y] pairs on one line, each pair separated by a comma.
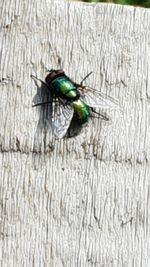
[[82, 201]]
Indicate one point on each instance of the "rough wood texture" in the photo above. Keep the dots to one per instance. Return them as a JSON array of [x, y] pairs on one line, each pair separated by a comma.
[[82, 201]]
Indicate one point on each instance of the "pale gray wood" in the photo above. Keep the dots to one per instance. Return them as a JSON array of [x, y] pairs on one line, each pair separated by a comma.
[[82, 201]]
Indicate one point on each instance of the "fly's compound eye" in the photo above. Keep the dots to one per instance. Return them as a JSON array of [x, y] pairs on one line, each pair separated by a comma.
[[53, 74]]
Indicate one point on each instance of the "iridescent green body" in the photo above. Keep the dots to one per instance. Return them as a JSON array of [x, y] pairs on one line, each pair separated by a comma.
[[81, 110], [66, 89]]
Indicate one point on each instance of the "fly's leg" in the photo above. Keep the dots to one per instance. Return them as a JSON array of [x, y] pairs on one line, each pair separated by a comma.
[[53, 101], [41, 103], [81, 84], [103, 117], [85, 78], [44, 83], [44, 103]]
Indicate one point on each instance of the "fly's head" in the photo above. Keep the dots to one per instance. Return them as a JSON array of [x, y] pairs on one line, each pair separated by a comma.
[[53, 74]]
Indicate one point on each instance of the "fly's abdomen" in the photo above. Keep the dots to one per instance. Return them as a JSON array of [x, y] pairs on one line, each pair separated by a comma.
[[81, 110], [64, 88]]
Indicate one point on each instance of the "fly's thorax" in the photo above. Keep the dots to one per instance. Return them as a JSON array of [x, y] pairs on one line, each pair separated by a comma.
[[65, 88], [81, 111]]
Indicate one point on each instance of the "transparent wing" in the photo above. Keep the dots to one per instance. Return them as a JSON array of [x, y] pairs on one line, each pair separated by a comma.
[[61, 117], [94, 98]]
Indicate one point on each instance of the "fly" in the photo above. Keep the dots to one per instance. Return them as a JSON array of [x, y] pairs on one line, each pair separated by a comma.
[[72, 101]]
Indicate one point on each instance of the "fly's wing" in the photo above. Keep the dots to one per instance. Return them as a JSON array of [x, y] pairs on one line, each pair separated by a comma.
[[61, 117], [94, 98]]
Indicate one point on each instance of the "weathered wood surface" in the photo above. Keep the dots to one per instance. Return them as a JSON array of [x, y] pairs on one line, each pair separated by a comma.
[[82, 201]]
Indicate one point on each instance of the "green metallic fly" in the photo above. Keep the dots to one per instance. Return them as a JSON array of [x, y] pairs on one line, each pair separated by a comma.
[[71, 101]]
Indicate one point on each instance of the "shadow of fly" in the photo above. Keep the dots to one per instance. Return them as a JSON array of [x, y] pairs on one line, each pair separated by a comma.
[[73, 101]]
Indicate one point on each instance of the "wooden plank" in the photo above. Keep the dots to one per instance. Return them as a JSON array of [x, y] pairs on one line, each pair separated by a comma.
[[82, 201]]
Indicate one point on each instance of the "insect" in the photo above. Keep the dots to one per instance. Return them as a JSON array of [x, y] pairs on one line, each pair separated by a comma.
[[73, 100]]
